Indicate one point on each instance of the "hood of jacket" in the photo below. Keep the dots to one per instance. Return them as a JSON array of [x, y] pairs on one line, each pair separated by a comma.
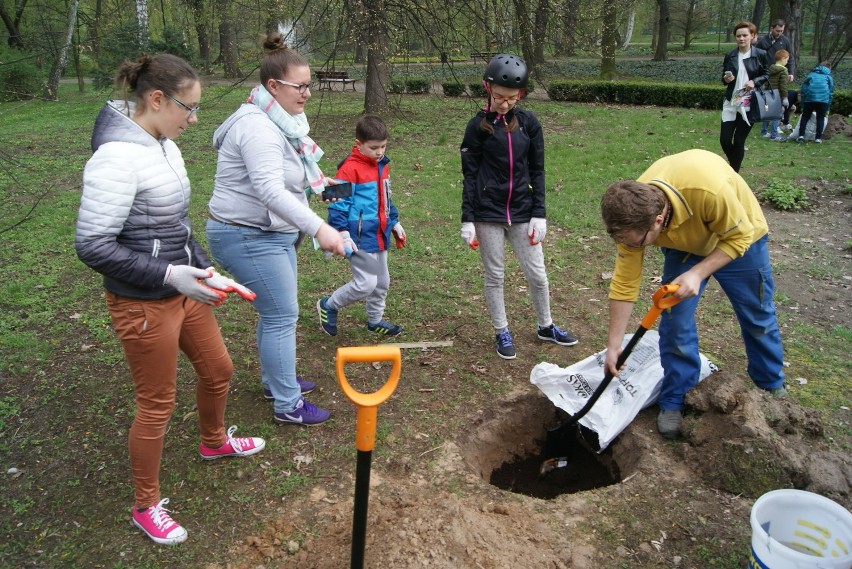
[[822, 70], [115, 125], [245, 110]]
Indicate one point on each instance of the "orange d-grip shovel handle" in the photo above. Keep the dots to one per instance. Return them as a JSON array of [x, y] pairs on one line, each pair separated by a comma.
[[368, 403], [664, 298]]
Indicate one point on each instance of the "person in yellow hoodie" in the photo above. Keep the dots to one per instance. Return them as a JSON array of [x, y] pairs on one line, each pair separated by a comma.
[[707, 222]]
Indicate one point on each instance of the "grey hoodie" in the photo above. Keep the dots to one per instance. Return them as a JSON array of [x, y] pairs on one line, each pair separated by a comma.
[[260, 179], [133, 220]]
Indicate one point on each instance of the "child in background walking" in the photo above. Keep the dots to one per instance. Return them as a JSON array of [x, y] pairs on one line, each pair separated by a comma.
[[502, 158], [366, 220], [777, 80]]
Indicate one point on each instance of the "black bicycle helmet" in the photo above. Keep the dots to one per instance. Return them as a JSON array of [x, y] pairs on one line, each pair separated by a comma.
[[507, 70]]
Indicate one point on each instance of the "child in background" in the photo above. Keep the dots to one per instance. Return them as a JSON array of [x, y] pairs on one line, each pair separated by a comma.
[[817, 92], [777, 80], [366, 220]]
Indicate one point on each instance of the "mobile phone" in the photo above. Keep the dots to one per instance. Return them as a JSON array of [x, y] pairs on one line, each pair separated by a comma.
[[729, 73], [337, 191]]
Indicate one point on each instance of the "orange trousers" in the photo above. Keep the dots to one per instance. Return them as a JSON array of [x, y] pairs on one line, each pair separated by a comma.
[[151, 333]]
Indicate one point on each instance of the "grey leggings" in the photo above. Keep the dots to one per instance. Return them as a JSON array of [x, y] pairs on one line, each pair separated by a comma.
[[492, 240]]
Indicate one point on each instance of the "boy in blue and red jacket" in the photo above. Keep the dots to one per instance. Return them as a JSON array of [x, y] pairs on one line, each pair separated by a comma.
[[366, 221]]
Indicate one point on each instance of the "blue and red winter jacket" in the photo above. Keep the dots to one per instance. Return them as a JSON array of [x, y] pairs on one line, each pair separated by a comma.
[[368, 214]]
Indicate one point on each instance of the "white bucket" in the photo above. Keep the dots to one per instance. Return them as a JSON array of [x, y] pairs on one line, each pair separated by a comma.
[[794, 529]]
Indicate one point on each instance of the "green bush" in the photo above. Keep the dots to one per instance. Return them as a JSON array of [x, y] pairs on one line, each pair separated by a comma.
[[477, 90], [417, 85], [841, 103], [20, 78], [453, 89], [629, 93], [410, 85], [173, 42], [784, 195]]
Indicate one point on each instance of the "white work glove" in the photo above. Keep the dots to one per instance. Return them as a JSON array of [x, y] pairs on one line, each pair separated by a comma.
[[186, 280], [785, 102], [223, 283], [537, 230], [348, 243], [398, 235], [468, 234]]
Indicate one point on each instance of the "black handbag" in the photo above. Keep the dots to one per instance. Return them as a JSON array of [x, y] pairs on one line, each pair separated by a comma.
[[766, 105]]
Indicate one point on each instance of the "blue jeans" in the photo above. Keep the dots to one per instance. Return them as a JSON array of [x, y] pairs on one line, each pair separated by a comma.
[[265, 261], [749, 285]]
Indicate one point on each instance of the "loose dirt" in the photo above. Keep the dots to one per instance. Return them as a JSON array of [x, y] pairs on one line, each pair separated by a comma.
[[671, 499]]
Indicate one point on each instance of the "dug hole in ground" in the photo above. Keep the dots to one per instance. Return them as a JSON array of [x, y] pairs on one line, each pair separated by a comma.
[[656, 503]]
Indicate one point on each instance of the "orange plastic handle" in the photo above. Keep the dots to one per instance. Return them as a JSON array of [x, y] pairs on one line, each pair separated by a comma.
[[368, 403], [664, 298]]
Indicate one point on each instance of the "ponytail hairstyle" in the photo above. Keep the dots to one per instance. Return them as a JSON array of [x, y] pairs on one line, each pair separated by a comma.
[[165, 72], [279, 58]]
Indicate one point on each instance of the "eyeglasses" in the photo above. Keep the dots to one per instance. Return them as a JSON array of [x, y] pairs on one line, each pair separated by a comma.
[[302, 87], [641, 243], [192, 110], [510, 100]]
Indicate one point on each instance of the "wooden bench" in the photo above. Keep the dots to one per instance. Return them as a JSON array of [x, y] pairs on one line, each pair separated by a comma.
[[485, 56], [326, 79]]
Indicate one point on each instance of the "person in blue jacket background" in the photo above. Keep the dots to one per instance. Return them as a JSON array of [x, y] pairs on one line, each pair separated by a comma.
[[817, 92]]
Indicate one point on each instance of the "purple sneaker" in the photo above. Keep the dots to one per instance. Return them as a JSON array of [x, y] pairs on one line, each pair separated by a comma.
[[304, 414], [304, 385]]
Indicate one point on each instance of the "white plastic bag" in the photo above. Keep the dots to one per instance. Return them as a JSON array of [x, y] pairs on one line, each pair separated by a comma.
[[810, 129], [635, 388]]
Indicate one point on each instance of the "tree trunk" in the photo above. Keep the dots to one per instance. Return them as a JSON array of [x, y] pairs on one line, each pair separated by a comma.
[[609, 33], [228, 42], [378, 78], [628, 34], [61, 59], [540, 30], [13, 25], [200, 16], [142, 25], [687, 28], [663, 31], [655, 27], [568, 44], [757, 13], [523, 21]]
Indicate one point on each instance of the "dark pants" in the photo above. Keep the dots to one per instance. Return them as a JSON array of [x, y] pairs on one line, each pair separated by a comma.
[[732, 138], [821, 109], [793, 99]]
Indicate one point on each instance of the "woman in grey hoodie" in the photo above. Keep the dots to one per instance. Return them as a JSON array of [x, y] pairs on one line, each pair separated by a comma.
[[259, 213]]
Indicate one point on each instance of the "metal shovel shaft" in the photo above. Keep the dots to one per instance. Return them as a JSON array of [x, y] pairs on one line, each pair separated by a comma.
[[362, 501]]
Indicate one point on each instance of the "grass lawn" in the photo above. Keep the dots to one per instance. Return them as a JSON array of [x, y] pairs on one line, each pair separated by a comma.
[[66, 400]]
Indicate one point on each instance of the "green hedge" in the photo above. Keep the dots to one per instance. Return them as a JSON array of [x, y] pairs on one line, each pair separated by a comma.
[[410, 85], [659, 94], [453, 89], [20, 78]]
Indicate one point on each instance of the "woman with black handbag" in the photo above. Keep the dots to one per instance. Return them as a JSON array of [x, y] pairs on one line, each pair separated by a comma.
[[744, 68]]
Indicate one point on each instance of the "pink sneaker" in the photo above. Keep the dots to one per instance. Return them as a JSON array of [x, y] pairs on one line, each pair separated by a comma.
[[155, 522], [243, 446]]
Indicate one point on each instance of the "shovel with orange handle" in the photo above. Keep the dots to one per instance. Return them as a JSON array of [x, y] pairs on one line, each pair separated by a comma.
[[663, 299], [365, 431]]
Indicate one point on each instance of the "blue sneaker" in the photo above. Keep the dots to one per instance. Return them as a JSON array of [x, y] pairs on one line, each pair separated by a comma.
[[556, 335], [327, 316], [505, 345], [304, 414], [304, 385], [384, 327]]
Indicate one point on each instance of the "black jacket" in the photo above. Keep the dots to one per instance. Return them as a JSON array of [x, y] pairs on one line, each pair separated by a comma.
[[497, 189], [771, 45], [757, 68]]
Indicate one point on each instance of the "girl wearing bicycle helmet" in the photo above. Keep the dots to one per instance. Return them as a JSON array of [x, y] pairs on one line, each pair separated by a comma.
[[502, 158]]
